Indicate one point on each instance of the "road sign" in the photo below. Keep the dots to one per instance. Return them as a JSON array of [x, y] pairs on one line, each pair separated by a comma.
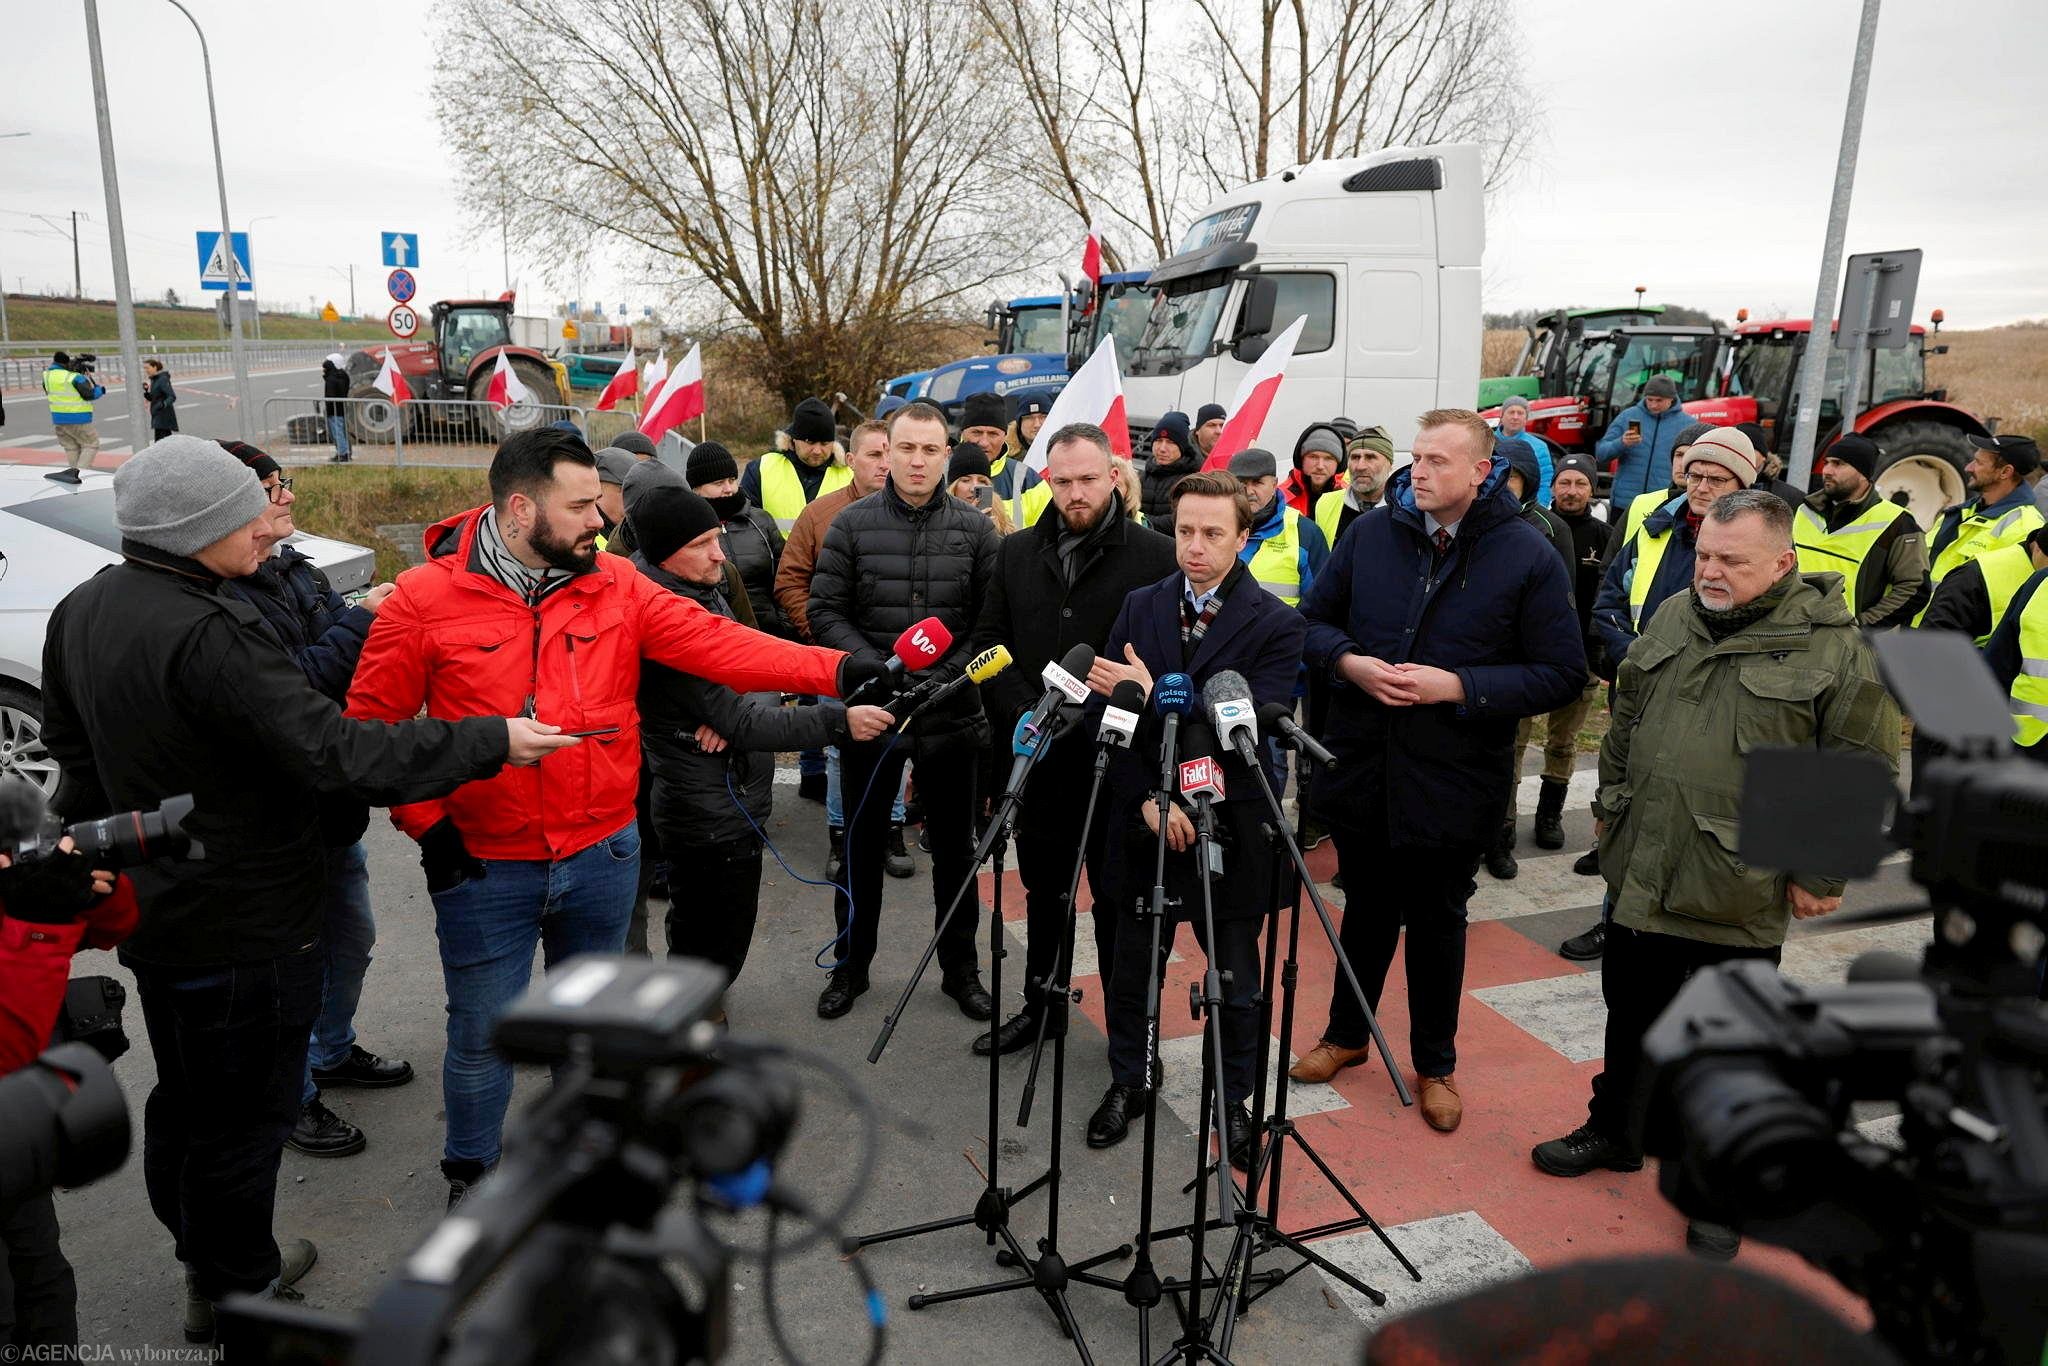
[[401, 286], [399, 248], [1877, 300], [569, 332], [330, 314], [215, 266], [403, 322]]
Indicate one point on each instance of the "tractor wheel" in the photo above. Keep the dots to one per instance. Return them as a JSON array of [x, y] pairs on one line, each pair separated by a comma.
[[1923, 467], [546, 404], [374, 421]]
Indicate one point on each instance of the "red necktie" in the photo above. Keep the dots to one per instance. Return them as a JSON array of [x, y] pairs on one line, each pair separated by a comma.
[[1443, 541]]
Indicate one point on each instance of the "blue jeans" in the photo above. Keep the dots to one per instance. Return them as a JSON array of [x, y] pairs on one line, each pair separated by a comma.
[[337, 432], [835, 801], [488, 927], [347, 935]]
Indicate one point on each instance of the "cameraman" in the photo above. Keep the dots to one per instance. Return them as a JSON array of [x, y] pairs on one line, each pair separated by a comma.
[[48, 910], [156, 683], [71, 390]]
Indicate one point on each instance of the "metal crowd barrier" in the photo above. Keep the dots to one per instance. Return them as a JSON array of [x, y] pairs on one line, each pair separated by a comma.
[[22, 363], [423, 432]]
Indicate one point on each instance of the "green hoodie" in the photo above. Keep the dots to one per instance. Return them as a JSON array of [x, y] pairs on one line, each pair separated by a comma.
[[1687, 708]]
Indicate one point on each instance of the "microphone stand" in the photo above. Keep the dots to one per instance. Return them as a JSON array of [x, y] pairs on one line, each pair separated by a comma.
[[991, 1212]]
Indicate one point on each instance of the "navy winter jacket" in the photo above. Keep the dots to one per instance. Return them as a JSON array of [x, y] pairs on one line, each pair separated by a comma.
[[1611, 616], [1497, 612], [1646, 465], [316, 626]]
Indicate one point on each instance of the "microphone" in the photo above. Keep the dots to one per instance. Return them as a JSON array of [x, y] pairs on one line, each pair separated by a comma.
[[1173, 697], [1201, 786], [1120, 717], [1232, 714], [980, 669], [1275, 718], [919, 647], [1025, 742], [1201, 776], [1064, 681]]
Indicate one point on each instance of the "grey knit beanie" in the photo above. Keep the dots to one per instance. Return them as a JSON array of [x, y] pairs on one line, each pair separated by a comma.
[[183, 493]]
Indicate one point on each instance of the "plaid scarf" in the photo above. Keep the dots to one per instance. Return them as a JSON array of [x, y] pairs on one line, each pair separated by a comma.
[[1194, 625]]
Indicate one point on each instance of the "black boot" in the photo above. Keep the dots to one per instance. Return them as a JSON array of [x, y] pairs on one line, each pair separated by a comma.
[[1550, 815], [896, 861], [1500, 859], [835, 856]]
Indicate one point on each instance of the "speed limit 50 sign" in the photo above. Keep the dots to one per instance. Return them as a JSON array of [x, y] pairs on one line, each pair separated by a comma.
[[403, 322]]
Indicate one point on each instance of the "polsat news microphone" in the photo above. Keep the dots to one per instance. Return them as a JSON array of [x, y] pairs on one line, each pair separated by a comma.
[[919, 647]]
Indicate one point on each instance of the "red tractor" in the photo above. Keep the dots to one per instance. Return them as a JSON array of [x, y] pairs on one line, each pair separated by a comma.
[[1582, 366], [469, 336], [1923, 436]]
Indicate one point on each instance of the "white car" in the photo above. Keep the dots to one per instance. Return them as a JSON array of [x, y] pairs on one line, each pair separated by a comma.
[[53, 537]]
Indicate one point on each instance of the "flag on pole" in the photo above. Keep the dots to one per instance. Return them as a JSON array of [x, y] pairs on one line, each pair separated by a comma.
[[1091, 268], [1095, 394], [680, 399], [504, 389], [651, 376], [390, 382], [1254, 398], [625, 382]]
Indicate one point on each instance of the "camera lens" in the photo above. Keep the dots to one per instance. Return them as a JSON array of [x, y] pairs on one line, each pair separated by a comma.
[[135, 837], [1753, 1139]]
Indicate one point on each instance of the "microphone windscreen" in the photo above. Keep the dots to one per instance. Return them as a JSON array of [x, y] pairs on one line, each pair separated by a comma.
[[922, 645], [989, 663], [1175, 693], [1127, 696], [1079, 660]]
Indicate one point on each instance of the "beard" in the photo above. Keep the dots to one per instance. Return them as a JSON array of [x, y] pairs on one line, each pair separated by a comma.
[[575, 552], [1083, 519]]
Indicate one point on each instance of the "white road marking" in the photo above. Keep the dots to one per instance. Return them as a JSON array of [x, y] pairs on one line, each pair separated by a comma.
[[1457, 1253]]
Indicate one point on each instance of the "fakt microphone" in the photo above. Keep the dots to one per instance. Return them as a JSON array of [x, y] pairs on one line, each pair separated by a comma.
[[1232, 714], [1120, 717], [1065, 681], [919, 647], [1276, 719]]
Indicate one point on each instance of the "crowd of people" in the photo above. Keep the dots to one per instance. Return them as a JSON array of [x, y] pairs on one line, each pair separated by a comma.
[[573, 707]]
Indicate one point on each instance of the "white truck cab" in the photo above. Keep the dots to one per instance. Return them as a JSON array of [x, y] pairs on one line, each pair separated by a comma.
[[1380, 253]]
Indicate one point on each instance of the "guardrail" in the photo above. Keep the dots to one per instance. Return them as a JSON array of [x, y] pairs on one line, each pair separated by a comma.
[[418, 432], [22, 363]]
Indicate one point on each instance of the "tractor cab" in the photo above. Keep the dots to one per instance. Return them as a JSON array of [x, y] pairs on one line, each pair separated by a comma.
[[463, 330], [1121, 311], [1584, 378], [1765, 367], [1025, 327]]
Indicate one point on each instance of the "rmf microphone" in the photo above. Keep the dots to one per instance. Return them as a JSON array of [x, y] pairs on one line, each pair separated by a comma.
[[1173, 697], [1276, 719], [1120, 718], [1232, 713], [1065, 681], [919, 647], [980, 669]]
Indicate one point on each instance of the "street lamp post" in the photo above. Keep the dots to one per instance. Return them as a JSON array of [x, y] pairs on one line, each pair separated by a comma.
[[227, 235], [351, 278], [255, 304], [117, 235]]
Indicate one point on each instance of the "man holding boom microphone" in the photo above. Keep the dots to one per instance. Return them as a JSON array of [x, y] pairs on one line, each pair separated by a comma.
[[1208, 618], [1058, 583]]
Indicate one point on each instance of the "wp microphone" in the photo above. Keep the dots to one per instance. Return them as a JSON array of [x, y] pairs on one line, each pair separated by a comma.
[[1232, 714], [1173, 697], [1065, 681], [1276, 719], [919, 647], [1120, 717]]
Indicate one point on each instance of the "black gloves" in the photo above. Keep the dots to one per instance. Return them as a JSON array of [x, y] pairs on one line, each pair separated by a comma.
[[52, 889], [443, 859], [856, 671]]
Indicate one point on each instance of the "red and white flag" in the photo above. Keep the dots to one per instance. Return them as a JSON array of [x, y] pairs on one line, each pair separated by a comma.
[[1254, 399], [1095, 394], [680, 398], [504, 389], [390, 382], [651, 376], [1091, 268], [625, 383]]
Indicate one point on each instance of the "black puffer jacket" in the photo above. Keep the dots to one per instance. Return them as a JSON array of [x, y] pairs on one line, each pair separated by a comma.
[[754, 546], [1155, 482], [886, 565], [334, 383], [692, 804]]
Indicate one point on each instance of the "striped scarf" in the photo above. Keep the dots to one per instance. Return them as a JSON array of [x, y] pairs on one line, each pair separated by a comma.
[[495, 558], [1193, 625]]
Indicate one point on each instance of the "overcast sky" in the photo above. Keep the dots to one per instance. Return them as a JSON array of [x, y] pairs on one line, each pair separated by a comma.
[[1685, 148]]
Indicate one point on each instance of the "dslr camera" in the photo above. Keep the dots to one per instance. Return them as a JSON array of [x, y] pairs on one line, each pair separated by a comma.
[[1752, 1077]]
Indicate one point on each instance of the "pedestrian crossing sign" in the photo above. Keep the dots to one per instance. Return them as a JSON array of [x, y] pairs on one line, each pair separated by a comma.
[[217, 266]]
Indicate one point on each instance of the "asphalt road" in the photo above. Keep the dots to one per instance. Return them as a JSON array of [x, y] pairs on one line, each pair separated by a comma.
[[206, 408]]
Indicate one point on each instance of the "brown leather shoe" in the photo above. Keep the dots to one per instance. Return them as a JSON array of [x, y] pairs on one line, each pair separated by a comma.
[[1326, 1060], [1441, 1108]]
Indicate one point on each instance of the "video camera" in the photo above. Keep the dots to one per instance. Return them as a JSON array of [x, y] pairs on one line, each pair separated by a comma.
[[576, 1221], [1752, 1076]]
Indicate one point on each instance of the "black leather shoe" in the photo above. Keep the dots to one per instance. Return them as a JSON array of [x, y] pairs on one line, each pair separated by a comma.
[[322, 1133], [839, 993], [1112, 1119], [462, 1176], [1588, 863], [1243, 1132], [65, 476], [364, 1068], [1584, 948], [1020, 1031], [835, 854], [1584, 1150], [896, 860], [972, 997]]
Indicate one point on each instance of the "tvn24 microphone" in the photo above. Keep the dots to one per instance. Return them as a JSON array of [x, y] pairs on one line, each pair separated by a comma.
[[1066, 681], [1275, 719], [1120, 718], [1232, 714], [919, 647]]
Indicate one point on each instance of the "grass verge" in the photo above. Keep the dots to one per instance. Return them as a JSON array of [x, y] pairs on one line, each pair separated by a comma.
[[349, 503]]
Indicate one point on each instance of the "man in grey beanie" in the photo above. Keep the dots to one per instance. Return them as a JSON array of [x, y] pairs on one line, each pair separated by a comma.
[[157, 684]]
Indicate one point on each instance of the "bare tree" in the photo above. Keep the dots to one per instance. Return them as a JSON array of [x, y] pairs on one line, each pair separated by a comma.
[[811, 173]]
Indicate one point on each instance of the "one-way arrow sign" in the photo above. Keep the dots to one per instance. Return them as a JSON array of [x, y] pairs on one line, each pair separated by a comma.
[[400, 248]]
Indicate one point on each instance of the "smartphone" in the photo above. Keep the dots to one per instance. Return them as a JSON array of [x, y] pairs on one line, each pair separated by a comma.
[[985, 497], [1635, 428], [585, 734]]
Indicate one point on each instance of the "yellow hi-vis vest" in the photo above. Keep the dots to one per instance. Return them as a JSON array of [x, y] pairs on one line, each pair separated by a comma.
[[782, 496], [2005, 570], [1329, 512], [2030, 685], [1639, 509], [1277, 562], [1979, 534], [1842, 552], [1650, 549], [64, 399]]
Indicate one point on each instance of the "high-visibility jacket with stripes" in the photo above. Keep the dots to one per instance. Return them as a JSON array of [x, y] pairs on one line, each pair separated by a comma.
[[2004, 571], [67, 406], [1640, 507], [782, 494], [1970, 531], [1849, 550], [2029, 693], [1278, 560]]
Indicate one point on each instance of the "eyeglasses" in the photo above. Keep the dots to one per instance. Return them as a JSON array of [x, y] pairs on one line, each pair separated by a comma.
[[1711, 481], [278, 490]]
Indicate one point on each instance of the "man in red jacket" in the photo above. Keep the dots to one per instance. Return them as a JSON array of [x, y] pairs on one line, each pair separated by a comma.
[[517, 612]]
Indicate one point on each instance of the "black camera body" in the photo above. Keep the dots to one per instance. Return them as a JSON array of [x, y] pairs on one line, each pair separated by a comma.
[[1752, 1077]]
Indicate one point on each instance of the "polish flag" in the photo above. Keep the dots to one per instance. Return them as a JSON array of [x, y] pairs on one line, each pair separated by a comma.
[[1091, 268], [651, 376], [504, 389], [681, 397], [1095, 394], [390, 382], [625, 383], [1255, 395]]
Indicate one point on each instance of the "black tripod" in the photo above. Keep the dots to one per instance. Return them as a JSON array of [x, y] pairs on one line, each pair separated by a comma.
[[1047, 1274]]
